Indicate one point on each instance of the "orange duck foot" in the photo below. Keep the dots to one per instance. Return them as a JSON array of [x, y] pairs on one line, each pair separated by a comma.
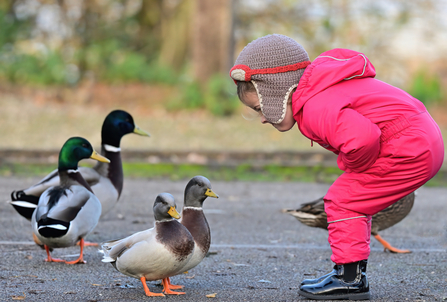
[[147, 291], [49, 258], [387, 246], [167, 289], [173, 286], [80, 260], [88, 243]]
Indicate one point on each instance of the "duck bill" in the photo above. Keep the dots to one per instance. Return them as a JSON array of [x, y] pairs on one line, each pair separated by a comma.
[[173, 212], [98, 157], [138, 131], [210, 193]]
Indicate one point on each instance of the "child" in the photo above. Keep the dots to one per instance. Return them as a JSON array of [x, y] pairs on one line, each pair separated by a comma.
[[387, 143]]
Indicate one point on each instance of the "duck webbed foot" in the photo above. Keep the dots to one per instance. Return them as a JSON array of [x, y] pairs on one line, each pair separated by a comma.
[[49, 258], [167, 288], [387, 246], [173, 286], [147, 291], [80, 260]]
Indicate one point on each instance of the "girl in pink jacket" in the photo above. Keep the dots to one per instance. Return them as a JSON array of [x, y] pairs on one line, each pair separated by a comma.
[[387, 143]]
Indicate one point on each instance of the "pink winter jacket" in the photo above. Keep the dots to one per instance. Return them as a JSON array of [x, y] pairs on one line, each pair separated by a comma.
[[340, 105]]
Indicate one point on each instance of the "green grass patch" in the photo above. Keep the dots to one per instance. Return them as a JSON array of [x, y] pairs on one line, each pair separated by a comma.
[[186, 171], [28, 170], [272, 173], [241, 172]]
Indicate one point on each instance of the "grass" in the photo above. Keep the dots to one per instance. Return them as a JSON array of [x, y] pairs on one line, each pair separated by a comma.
[[268, 173], [45, 119]]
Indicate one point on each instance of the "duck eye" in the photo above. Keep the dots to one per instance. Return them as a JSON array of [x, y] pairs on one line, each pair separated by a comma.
[[84, 145]]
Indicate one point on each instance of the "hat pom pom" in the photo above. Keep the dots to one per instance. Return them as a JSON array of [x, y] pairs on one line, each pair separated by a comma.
[[238, 74]]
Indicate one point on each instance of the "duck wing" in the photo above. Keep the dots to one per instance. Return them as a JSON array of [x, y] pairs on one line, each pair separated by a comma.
[[115, 248], [392, 214], [62, 203], [51, 180], [311, 214], [26, 200], [59, 207], [33, 193]]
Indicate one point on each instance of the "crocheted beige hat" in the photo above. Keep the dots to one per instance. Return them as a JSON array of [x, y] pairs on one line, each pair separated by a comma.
[[274, 64]]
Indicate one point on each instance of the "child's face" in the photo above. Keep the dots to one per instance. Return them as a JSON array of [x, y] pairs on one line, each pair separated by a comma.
[[251, 100]]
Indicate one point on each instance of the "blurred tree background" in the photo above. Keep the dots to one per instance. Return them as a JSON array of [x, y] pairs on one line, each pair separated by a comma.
[[174, 55]]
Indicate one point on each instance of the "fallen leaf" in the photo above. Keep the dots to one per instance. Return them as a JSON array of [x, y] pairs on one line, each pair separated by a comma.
[[211, 295], [264, 281], [29, 257], [96, 284], [19, 297], [240, 264], [190, 277]]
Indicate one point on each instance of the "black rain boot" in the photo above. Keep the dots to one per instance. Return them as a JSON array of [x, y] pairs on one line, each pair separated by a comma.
[[349, 283], [319, 279], [333, 272]]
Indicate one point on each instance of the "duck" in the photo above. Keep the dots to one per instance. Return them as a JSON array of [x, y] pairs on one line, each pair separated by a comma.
[[312, 214], [193, 218], [105, 179], [68, 212], [156, 253]]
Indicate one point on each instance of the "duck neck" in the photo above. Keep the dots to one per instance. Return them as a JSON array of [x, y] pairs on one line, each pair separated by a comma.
[[114, 169], [70, 177], [195, 221]]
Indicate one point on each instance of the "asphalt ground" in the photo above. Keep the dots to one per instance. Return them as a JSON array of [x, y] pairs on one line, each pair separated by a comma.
[[257, 252]]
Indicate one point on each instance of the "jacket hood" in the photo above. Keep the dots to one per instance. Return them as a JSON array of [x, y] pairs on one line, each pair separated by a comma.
[[329, 68]]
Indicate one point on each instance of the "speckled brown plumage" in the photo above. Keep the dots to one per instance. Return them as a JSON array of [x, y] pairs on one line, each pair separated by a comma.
[[312, 214]]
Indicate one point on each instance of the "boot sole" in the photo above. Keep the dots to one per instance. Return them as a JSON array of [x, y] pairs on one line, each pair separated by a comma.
[[359, 296]]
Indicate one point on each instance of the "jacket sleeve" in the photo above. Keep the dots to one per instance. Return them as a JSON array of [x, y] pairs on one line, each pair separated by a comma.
[[354, 136]]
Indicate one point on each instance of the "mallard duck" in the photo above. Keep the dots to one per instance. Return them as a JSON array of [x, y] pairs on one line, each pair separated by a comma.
[[313, 215], [193, 218], [68, 212], [156, 253], [105, 179]]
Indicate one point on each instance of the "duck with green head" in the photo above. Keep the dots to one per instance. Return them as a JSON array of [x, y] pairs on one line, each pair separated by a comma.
[[105, 179], [68, 212]]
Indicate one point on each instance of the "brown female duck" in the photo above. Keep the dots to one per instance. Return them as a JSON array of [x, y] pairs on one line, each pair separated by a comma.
[[312, 214]]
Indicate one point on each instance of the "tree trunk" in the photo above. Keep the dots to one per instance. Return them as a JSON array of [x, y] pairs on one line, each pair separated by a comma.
[[212, 38]]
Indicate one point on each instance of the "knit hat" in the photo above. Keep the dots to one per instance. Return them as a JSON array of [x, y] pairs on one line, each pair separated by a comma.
[[274, 64]]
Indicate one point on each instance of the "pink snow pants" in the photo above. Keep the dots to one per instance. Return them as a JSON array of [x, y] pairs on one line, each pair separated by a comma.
[[412, 152]]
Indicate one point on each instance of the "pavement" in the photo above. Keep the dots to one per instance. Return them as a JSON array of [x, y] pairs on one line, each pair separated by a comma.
[[257, 252]]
